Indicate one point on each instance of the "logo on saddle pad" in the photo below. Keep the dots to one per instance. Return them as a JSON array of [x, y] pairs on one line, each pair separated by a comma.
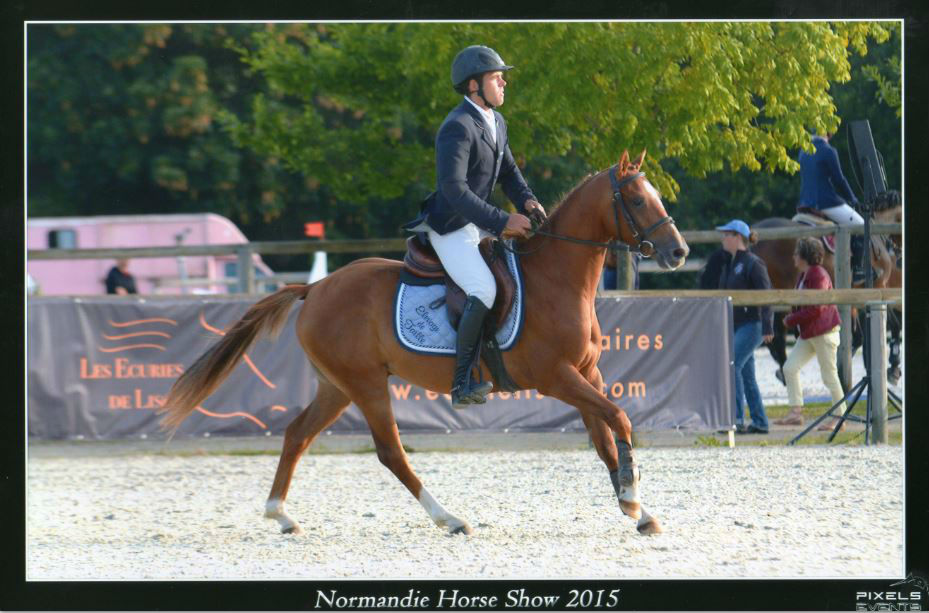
[[422, 322]]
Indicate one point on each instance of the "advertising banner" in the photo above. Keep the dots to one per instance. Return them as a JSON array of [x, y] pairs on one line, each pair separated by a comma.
[[100, 367]]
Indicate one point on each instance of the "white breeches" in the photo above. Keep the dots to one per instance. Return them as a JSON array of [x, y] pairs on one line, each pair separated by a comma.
[[844, 215], [459, 254]]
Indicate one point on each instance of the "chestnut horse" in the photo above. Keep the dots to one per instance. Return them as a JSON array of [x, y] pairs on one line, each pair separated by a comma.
[[345, 326], [777, 255]]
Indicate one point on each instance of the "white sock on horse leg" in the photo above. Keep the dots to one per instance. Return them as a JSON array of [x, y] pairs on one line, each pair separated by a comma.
[[439, 515]]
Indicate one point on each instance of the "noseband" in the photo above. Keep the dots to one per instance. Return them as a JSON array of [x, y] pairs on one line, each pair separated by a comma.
[[643, 246]]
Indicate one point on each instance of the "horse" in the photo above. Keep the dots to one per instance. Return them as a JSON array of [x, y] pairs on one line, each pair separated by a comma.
[[777, 255], [345, 328]]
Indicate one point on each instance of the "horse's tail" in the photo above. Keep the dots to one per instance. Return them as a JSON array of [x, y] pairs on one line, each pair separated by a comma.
[[265, 317]]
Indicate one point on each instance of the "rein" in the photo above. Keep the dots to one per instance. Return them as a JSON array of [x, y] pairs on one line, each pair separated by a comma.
[[643, 246]]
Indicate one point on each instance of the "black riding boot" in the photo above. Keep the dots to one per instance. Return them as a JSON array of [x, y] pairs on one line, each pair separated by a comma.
[[857, 255], [464, 390]]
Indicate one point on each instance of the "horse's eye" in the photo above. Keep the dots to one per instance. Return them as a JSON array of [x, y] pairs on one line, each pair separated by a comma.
[[639, 202]]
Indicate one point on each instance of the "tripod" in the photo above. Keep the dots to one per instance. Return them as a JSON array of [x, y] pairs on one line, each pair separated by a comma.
[[866, 381]]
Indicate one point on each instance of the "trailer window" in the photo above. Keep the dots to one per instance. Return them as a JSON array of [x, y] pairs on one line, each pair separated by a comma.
[[231, 270], [62, 239]]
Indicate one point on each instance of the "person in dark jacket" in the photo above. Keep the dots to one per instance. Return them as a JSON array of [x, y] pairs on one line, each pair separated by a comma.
[[818, 326], [472, 155], [713, 269], [825, 189], [119, 280], [752, 325]]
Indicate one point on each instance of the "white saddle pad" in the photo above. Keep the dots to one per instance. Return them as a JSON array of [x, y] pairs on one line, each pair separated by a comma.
[[422, 325]]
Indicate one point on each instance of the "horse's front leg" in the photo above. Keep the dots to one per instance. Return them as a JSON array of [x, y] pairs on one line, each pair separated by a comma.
[[602, 418]]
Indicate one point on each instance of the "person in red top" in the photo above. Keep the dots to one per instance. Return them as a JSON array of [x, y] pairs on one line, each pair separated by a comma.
[[818, 327]]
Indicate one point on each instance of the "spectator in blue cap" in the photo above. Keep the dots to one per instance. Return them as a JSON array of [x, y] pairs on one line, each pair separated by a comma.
[[739, 268]]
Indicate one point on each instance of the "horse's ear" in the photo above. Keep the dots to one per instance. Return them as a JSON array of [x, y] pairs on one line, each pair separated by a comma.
[[623, 162], [638, 162]]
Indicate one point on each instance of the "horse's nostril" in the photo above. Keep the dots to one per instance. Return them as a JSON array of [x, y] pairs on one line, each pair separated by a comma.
[[680, 252]]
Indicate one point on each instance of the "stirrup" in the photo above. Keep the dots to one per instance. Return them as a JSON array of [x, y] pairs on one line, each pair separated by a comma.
[[474, 393]]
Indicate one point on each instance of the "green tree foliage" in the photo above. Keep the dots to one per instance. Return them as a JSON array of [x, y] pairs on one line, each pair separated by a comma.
[[275, 125], [122, 119], [357, 105]]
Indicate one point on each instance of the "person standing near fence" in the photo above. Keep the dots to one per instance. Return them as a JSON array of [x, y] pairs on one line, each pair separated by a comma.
[[818, 327], [119, 280], [751, 325]]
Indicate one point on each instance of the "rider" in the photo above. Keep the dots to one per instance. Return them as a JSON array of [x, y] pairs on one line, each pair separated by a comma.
[[472, 155], [825, 189]]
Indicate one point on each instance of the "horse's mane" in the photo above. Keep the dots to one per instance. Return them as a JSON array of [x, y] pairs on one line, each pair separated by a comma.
[[570, 195], [887, 200]]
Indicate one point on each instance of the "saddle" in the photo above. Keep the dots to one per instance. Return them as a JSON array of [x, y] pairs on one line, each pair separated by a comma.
[[421, 261], [811, 217]]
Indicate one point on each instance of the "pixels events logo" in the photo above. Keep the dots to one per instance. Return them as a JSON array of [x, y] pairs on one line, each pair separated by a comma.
[[909, 596]]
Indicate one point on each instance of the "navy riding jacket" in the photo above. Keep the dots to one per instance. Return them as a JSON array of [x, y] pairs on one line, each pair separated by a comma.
[[468, 165], [823, 184]]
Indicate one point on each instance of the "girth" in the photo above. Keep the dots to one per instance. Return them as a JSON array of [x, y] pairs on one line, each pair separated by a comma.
[[421, 261]]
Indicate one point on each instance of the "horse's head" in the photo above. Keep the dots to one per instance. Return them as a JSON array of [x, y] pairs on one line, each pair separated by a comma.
[[643, 221]]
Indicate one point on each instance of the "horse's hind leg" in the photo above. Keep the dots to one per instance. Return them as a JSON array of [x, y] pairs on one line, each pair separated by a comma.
[[602, 418], [325, 409], [893, 326], [373, 399], [778, 346]]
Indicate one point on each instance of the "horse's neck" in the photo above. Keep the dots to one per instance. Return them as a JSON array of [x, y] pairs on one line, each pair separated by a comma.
[[573, 269]]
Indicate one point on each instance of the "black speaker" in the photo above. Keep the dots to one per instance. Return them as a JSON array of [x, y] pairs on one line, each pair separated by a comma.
[[866, 161]]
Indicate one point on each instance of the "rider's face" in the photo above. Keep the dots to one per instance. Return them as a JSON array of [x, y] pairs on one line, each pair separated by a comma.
[[494, 85]]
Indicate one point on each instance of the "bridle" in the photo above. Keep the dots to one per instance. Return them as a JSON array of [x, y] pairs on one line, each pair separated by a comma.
[[643, 246]]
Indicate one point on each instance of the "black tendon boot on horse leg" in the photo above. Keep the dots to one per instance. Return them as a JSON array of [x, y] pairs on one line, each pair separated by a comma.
[[856, 246], [626, 481], [465, 391]]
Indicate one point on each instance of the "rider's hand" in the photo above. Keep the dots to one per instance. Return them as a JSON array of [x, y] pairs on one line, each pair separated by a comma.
[[767, 338], [533, 205], [517, 226]]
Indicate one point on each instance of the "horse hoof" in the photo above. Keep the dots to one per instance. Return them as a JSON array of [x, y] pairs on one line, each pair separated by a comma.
[[648, 525], [632, 509], [295, 529], [893, 375], [464, 528]]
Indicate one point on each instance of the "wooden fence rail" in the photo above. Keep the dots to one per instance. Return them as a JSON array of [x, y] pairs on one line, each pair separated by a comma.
[[374, 245], [786, 297]]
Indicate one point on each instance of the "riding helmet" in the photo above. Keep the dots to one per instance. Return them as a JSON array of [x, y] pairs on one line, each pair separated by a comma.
[[475, 60]]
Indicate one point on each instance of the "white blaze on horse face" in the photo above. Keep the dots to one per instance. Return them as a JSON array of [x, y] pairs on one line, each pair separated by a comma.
[[654, 194]]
